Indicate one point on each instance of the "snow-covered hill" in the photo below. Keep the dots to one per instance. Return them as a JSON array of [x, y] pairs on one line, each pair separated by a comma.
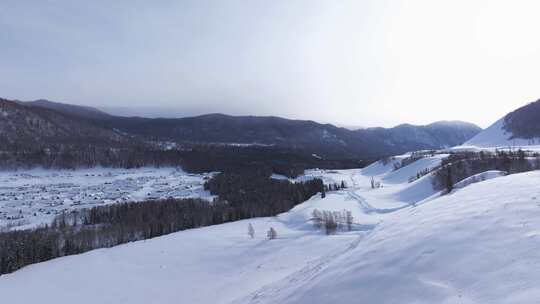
[[478, 244], [519, 128], [496, 136]]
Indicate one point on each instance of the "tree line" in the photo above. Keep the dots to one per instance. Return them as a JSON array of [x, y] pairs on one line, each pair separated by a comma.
[[332, 221], [461, 165], [196, 158], [253, 194], [67, 156]]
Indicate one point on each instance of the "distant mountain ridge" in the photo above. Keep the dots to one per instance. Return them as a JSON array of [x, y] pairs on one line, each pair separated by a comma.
[[326, 140], [75, 110], [436, 135], [27, 126]]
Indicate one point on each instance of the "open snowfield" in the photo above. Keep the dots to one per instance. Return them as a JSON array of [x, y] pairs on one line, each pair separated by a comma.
[[33, 197], [480, 244]]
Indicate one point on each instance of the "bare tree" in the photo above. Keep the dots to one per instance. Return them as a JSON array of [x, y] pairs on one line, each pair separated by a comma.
[[330, 223], [251, 231], [271, 234], [349, 219], [317, 219]]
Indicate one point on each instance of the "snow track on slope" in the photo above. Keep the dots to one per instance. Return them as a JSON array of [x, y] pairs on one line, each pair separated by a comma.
[[283, 288], [368, 208]]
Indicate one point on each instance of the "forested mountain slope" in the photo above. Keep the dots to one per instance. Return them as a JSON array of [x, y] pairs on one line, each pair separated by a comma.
[[23, 126], [74, 110], [323, 139]]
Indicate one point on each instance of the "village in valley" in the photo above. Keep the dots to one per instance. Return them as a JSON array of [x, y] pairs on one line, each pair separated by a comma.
[[35, 197]]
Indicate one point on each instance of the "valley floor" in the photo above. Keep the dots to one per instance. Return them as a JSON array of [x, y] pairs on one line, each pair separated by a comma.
[[479, 244]]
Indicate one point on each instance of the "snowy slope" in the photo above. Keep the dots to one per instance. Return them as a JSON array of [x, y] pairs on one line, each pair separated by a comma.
[[403, 174], [479, 244], [496, 136], [216, 264], [480, 177], [383, 167], [396, 191]]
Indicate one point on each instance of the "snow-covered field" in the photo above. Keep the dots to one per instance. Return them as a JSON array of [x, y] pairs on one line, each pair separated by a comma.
[[29, 198], [479, 244]]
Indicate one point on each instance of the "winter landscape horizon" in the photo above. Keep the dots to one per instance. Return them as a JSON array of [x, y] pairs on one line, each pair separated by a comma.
[[250, 152]]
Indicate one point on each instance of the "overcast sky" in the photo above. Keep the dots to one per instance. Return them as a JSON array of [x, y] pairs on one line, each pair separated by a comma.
[[363, 63]]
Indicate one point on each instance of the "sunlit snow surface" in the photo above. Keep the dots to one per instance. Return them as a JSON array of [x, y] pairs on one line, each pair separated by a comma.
[[479, 244], [33, 197]]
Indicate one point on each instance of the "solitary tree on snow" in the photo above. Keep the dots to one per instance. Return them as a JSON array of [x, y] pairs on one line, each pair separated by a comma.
[[317, 218], [251, 231], [449, 182], [349, 219], [271, 234]]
